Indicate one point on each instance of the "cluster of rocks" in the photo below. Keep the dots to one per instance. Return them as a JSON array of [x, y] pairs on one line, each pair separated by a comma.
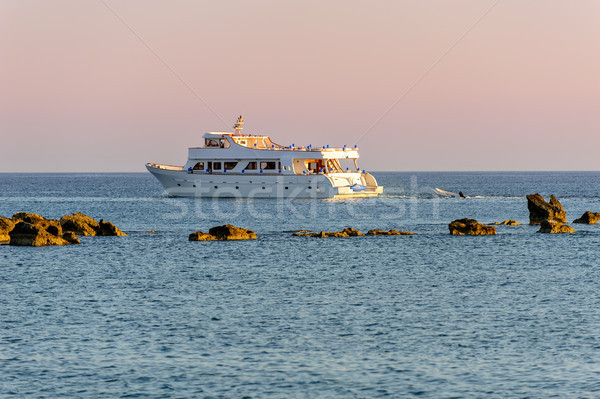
[[550, 216], [470, 227], [350, 232], [223, 233], [30, 229]]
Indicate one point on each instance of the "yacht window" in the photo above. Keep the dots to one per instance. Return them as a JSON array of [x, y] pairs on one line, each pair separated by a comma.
[[229, 165], [223, 143], [217, 165], [267, 165], [211, 142], [199, 166], [251, 165], [242, 142]]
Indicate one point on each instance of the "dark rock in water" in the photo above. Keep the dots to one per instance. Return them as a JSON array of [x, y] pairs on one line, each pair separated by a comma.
[[80, 224], [6, 226], [201, 236], [27, 234], [554, 227], [389, 233], [470, 227], [509, 222], [71, 238], [229, 232], [588, 218], [108, 229], [540, 210], [347, 232]]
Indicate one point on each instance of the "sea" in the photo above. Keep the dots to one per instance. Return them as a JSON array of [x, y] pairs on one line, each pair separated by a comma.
[[153, 315]]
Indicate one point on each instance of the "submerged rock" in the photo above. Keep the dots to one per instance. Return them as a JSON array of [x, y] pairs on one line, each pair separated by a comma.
[[201, 236], [540, 210], [6, 226], [588, 218], [470, 227], [389, 233], [554, 227], [347, 232], [27, 234], [230, 232], [509, 222]]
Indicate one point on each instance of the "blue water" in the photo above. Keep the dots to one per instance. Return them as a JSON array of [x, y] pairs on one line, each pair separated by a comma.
[[514, 315]]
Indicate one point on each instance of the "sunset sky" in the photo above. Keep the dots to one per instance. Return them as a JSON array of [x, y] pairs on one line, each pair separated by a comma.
[[420, 85]]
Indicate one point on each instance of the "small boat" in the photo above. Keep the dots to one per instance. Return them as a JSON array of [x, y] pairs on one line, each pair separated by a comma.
[[253, 166], [448, 194]]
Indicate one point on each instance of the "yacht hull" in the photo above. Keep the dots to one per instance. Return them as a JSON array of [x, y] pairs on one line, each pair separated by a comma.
[[180, 183]]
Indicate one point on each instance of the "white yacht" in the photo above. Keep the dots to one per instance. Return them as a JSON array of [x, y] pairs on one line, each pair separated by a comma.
[[252, 166]]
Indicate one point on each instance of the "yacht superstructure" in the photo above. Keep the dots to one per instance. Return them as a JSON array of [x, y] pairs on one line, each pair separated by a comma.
[[253, 166]]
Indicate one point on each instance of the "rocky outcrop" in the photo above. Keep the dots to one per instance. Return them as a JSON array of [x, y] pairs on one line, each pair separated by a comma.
[[347, 232], [470, 227], [83, 225], [80, 224], [540, 210], [6, 226], [554, 227], [27, 234], [509, 222], [229, 232], [201, 236], [108, 229], [389, 233], [51, 225], [588, 218]]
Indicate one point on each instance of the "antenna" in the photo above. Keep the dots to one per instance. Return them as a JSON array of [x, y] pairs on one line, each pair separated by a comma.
[[238, 126]]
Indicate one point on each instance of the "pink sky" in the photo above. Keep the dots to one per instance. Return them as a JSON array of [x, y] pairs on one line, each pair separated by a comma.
[[521, 91]]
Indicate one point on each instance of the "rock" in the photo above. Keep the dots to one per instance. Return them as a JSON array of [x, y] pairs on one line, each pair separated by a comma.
[[52, 226], [540, 210], [509, 222], [200, 236], [71, 238], [347, 232], [588, 218], [389, 233], [6, 226], [27, 234], [470, 227], [80, 224], [32, 218], [229, 232], [108, 229], [554, 227]]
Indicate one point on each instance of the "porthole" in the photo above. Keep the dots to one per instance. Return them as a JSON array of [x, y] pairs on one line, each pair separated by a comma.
[[309, 187], [193, 185], [178, 184], [286, 188], [216, 187], [237, 187], [263, 188]]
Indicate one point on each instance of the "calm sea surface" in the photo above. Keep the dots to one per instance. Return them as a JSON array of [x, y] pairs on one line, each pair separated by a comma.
[[516, 315]]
